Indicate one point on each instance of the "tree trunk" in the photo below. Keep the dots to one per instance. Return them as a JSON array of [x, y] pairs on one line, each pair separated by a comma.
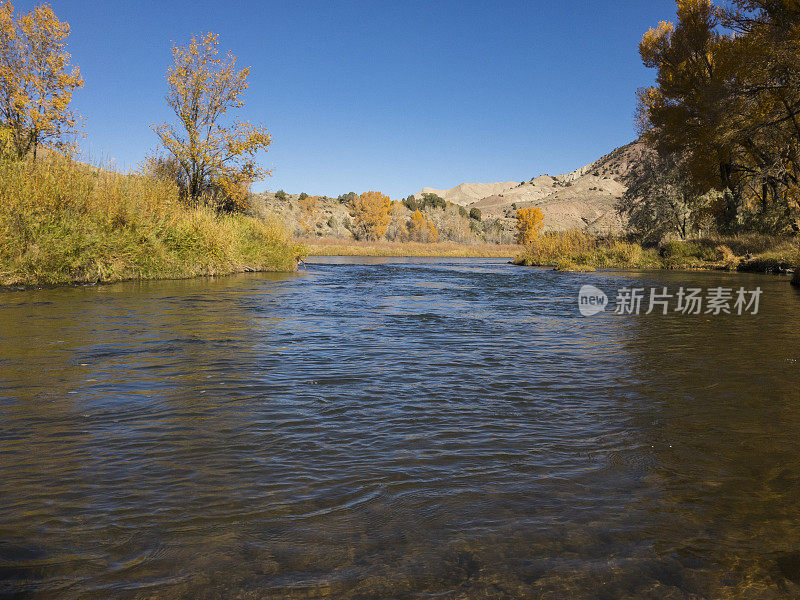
[[731, 201]]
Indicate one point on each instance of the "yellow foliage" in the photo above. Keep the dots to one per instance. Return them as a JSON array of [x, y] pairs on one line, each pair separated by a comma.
[[36, 81], [217, 159], [421, 228], [309, 212], [372, 213], [529, 224], [654, 42]]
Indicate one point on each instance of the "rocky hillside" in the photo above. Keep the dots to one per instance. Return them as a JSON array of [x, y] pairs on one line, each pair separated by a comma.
[[584, 198], [467, 193]]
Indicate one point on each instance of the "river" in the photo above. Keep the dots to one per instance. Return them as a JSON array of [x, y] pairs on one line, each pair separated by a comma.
[[398, 428]]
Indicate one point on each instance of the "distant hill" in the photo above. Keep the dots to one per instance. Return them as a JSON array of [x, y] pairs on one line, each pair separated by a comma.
[[467, 193], [583, 198]]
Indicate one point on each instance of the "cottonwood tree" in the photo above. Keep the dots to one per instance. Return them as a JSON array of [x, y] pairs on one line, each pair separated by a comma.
[[421, 228], [309, 213], [36, 82], [215, 153], [727, 100], [529, 224], [371, 212]]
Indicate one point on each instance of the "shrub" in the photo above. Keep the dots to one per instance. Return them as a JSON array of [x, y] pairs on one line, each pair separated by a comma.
[[280, 195], [431, 201], [769, 262], [726, 256], [411, 203], [475, 213]]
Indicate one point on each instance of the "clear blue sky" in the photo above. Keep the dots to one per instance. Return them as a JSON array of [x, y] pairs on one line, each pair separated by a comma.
[[380, 95]]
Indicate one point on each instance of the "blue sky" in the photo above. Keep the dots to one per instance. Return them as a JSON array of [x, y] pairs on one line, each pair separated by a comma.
[[380, 95]]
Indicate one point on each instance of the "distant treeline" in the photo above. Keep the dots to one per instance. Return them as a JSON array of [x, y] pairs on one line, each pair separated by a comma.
[[373, 216]]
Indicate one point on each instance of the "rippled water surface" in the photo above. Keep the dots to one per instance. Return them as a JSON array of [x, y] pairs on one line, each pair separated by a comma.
[[416, 428]]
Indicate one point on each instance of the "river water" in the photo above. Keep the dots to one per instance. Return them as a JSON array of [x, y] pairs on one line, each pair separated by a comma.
[[397, 428]]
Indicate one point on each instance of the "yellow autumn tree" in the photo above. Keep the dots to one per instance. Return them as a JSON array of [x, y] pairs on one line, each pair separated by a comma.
[[725, 109], [421, 228], [215, 152], [309, 213], [36, 82], [529, 224], [371, 213]]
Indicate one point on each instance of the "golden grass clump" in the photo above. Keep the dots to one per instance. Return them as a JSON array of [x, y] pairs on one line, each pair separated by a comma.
[[66, 222], [572, 250]]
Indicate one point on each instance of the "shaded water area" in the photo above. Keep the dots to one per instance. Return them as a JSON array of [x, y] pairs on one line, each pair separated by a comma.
[[397, 428]]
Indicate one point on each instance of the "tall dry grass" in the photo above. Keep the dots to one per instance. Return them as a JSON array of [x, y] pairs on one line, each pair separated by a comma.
[[334, 247], [574, 250], [65, 222], [580, 249]]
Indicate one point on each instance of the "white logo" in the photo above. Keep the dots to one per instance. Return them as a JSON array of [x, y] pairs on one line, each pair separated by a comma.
[[591, 300]]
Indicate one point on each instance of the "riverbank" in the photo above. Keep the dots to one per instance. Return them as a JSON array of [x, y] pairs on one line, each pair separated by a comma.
[[578, 251], [62, 222], [340, 247]]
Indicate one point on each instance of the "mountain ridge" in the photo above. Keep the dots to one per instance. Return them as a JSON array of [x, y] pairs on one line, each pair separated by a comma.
[[583, 198]]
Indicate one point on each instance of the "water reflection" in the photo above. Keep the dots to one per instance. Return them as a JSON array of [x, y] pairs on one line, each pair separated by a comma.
[[395, 428]]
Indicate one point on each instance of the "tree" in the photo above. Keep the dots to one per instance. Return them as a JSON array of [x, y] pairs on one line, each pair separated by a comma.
[[36, 81], [475, 213], [529, 224], [371, 212], [431, 201], [308, 212], [397, 230], [216, 153], [659, 201], [411, 203], [728, 102], [421, 228]]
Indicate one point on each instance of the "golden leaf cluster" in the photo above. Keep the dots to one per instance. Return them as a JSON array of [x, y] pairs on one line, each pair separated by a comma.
[[421, 228], [371, 212], [529, 224], [36, 82]]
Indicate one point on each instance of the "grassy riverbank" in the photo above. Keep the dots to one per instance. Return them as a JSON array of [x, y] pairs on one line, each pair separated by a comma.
[[336, 247], [578, 251], [63, 222]]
